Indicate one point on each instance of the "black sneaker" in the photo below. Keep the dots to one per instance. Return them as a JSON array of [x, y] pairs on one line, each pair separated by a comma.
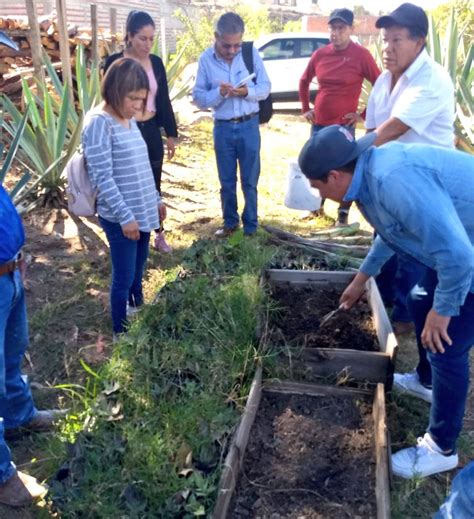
[[342, 218]]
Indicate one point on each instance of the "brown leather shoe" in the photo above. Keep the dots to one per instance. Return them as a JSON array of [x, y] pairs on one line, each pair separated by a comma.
[[21, 489], [44, 421], [225, 232]]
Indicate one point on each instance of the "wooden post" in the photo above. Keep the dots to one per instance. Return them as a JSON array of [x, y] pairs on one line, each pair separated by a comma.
[[164, 53], [35, 41], [113, 28], [64, 47], [94, 35]]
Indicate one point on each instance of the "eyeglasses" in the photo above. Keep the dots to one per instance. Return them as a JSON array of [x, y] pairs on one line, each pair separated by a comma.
[[229, 46]]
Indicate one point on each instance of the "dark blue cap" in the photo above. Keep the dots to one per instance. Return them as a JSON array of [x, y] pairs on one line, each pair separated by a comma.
[[406, 15], [331, 148], [341, 15]]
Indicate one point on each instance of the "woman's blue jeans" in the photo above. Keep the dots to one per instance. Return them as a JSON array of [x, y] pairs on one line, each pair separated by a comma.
[[449, 370], [16, 403], [238, 143], [128, 259]]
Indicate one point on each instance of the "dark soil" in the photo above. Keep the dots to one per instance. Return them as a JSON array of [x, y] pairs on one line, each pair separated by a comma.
[[310, 457], [297, 321]]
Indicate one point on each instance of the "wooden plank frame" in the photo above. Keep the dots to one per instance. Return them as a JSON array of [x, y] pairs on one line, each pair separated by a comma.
[[234, 459], [323, 362]]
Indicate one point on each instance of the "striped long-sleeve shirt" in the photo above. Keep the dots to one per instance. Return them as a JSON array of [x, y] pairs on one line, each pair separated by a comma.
[[119, 168]]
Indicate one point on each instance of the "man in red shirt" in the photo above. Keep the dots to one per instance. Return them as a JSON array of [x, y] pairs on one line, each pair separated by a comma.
[[340, 69]]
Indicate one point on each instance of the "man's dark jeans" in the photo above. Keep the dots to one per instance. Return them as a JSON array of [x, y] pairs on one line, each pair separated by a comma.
[[395, 281], [128, 259], [449, 370]]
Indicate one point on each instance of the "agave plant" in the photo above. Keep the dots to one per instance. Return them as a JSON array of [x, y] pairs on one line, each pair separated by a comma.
[[52, 131], [458, 62], [174, 69]]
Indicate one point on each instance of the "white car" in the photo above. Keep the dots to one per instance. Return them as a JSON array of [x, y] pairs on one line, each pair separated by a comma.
[[286, 56]]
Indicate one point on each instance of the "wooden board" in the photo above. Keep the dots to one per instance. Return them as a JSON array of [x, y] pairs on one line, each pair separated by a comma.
[[372, 366], [234, 459]]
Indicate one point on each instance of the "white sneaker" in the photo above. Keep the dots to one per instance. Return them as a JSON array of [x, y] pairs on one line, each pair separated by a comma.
[[410, 383], [423, 460], [132, 311]]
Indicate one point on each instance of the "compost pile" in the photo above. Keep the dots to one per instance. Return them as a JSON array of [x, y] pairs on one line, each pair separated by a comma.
[[308, 457], [300, 310]]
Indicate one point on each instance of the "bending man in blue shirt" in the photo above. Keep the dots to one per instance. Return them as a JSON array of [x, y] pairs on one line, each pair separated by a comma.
[[420, 200], [235, 111]]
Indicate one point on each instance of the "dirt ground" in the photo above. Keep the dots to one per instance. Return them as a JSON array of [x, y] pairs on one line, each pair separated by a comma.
[[68, 277], [297, 321], [308, 457]]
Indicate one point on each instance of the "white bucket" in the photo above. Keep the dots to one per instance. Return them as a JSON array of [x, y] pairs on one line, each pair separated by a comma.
[[299, 193]]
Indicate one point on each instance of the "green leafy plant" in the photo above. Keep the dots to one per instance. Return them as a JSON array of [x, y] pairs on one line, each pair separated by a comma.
[[53, 126]]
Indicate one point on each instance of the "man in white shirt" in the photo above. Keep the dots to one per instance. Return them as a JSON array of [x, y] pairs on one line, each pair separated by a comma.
[[413, 102]]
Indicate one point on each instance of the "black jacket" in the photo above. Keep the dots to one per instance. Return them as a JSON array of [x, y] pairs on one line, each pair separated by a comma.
[[164, 110]]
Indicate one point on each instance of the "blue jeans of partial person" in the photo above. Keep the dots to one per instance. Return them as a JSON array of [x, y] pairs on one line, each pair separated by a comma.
[[128, 259], [395, 281], [238, 143], [315, 128], [460, 502], [16, 402], [449, 370]]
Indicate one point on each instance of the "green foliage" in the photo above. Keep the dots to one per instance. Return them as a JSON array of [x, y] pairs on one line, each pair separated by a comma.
[[463, 14], [197, 37], [166, 403], [53, 127], [292, 26], [10, 157]]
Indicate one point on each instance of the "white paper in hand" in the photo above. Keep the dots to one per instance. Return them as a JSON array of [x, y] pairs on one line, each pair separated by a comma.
[[244, 81]]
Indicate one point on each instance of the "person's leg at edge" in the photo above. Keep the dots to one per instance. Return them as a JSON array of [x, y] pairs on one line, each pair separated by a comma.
[[135, 297], [16, 402], [226, 160], [123, 256], [248, 152]]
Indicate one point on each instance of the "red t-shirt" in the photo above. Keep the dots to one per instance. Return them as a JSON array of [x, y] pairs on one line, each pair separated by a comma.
[[340, 75]]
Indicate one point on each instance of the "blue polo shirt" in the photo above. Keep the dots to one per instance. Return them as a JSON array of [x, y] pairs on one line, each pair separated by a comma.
[[420, 200], [12, 235]]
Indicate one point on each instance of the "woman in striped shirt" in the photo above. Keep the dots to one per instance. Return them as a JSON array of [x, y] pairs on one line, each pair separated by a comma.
[[128, 204]]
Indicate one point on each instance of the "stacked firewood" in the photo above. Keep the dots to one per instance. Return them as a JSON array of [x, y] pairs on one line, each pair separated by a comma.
[[17, 65]]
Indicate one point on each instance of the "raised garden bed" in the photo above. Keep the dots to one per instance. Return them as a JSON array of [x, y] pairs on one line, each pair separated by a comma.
[[357, 344], [304, 450]]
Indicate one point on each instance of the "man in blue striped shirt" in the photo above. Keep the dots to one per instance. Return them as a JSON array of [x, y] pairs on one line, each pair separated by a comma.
[[235, 110]]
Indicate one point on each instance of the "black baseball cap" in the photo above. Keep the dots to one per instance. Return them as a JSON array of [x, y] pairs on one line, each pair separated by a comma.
[[331, 148], [342, 15], [406, 15], [5, 40]]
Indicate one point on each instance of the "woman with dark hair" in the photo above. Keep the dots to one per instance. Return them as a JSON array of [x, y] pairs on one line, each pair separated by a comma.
[[158, 113], [128, 204]]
